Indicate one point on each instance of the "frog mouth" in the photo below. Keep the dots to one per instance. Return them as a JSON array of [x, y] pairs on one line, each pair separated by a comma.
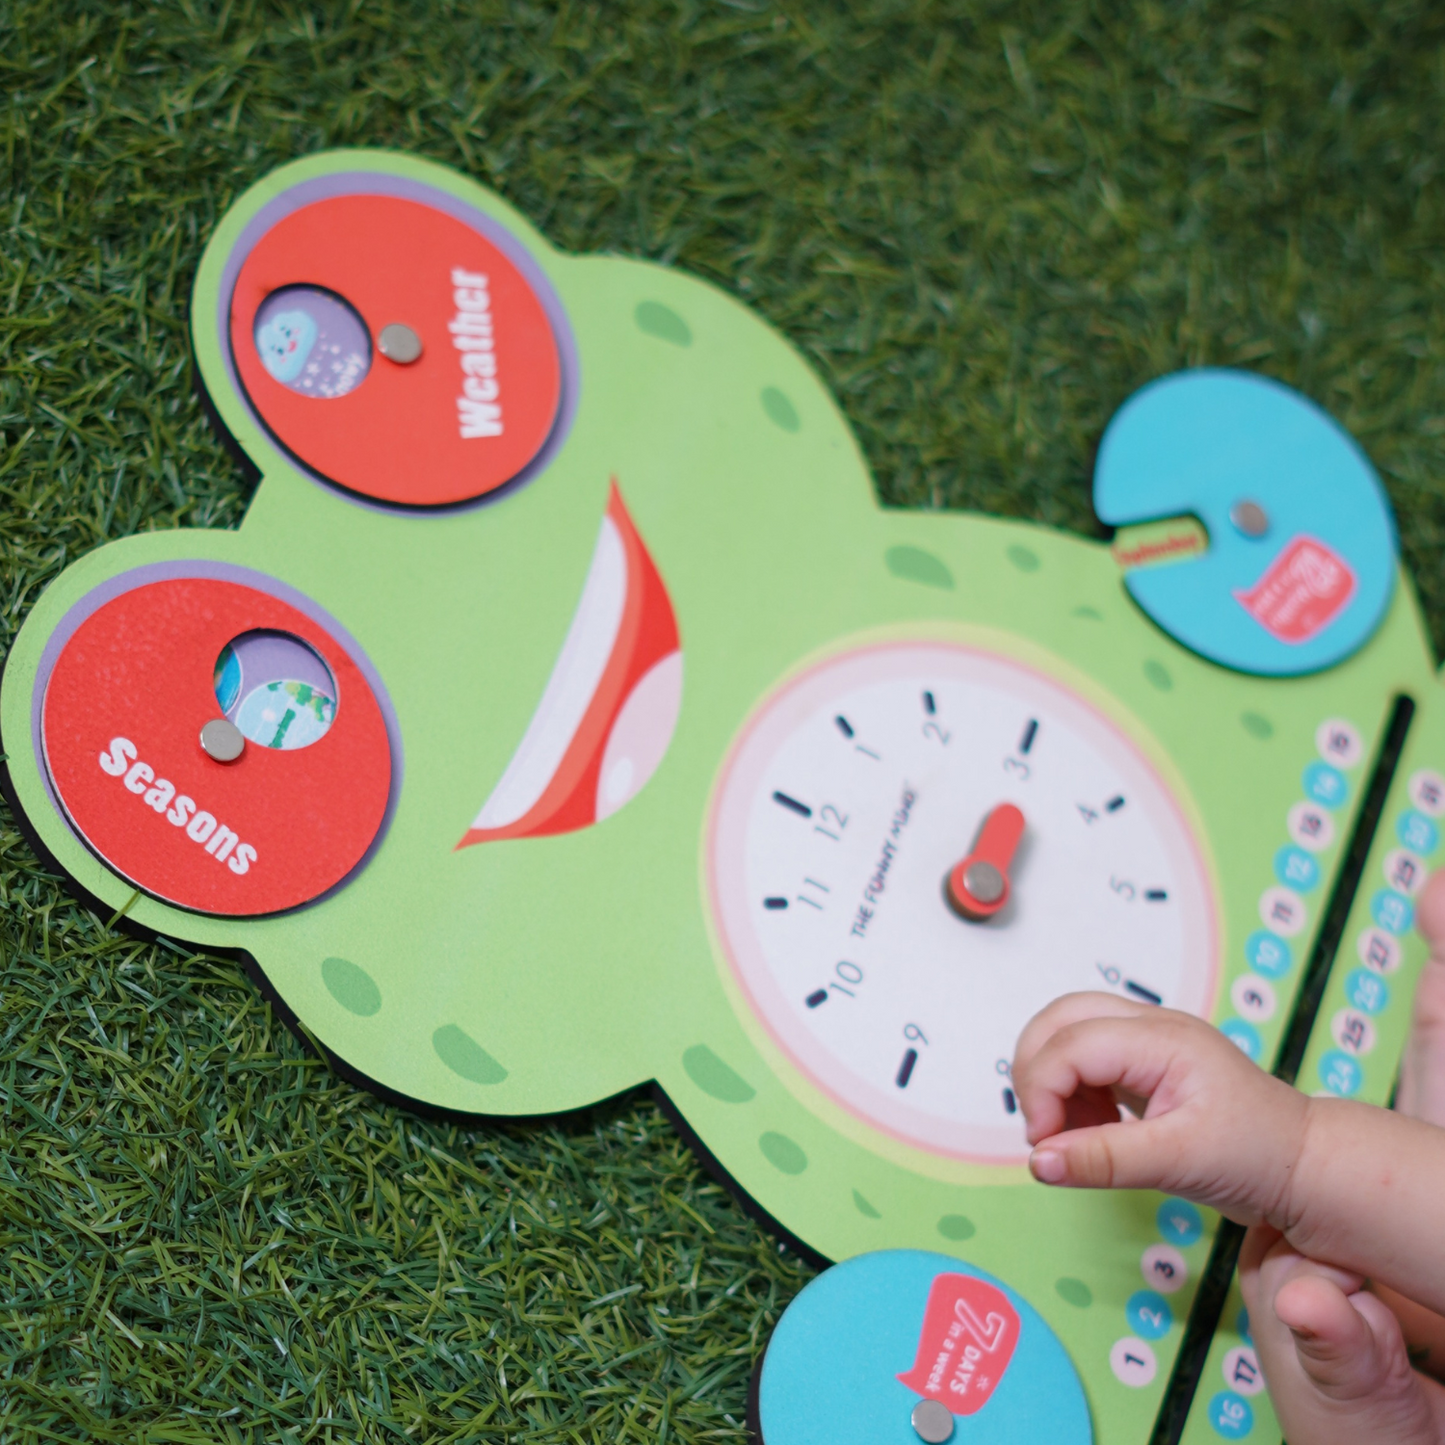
[[608, 711]]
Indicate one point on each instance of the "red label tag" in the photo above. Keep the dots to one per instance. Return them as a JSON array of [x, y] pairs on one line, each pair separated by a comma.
[[1303, 590], [967, 1340]]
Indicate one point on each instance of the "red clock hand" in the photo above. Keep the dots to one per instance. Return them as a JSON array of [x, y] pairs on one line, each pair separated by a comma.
[[978, 887]]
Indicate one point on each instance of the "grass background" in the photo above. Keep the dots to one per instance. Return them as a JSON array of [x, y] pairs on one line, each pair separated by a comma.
[[985, 223]]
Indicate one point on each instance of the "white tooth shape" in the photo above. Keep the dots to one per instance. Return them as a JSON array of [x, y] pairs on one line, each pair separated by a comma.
[[640, 736], [575, 675]]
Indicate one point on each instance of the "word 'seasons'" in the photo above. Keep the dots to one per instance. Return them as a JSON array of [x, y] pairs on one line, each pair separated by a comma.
[[479, 413], [224, 845]]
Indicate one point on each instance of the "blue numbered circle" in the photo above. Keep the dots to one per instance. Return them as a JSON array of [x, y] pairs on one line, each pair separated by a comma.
[[1392, 911], [1340, 1074], [1367, 991], [1268, 954], [1326, 785], [1231, 1415], [1241, 1326], [1296, 869], [1179, 1222], [1149, 1315], [1417, 833], [1245, 1037]]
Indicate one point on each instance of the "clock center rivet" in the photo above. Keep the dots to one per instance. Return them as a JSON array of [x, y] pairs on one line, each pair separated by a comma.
[[932, 1421], [985, 882], [1249, 518], [222, 740]]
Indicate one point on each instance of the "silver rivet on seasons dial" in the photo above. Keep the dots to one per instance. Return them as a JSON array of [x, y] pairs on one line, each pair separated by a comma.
[[932, 1421], [222, 740], [1249, 518], [399, 343], [985, 883]]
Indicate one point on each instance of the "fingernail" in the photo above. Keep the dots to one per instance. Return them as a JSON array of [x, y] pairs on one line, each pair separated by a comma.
[[1047, 1166]]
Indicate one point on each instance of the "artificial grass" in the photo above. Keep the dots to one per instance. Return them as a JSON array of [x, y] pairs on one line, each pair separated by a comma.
[[985, 223]]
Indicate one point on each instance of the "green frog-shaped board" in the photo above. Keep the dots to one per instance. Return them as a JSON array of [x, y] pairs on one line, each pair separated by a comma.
[[567, 715]]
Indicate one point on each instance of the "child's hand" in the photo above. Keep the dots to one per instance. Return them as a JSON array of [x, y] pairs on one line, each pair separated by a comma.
[[1421, 1094], [1333, 1354], [1212, 1126]]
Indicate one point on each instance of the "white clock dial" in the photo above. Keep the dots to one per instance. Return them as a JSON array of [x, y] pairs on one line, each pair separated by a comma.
[[848, 800]]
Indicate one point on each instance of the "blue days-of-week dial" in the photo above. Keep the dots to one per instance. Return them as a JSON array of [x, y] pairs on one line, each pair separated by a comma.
[[851, 795]]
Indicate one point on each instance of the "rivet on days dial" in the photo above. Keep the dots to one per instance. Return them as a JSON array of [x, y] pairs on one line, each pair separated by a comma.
[[222, 740], [1249, 518], [399, 343], [932, 1421]]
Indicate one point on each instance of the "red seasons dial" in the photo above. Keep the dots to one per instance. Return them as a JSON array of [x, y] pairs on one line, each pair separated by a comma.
[[121, 723], [449, 424]]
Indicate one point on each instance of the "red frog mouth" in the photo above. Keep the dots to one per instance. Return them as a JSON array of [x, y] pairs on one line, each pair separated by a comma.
[[608, 711]]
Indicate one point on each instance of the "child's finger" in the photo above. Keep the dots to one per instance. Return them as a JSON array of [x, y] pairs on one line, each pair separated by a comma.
[[1430, 915], [1421, 1094], [1142, 1155], [1070, 1008], [1132, 1053]]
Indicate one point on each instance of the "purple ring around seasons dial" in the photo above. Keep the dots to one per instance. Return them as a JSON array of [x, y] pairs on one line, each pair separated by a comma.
[[312, 341]]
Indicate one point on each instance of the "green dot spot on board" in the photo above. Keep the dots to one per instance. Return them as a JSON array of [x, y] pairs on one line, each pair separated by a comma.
[[780, 410], [913, 564], [1074, 1292], [1024, 558], [351, 986], [1158, 676], [463, 1055], [957, 1227], [782, 1153], [662, 322], [1091, 614], [1256, 725], [864, 1207], [714, 1077]]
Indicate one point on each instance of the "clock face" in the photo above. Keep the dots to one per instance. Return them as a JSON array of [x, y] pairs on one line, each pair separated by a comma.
[[891, 924]]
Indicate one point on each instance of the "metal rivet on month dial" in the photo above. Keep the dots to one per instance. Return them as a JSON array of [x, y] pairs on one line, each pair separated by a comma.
[[985, 883], [222, 740], [399, 343], [1249, 518], [932, 1421]]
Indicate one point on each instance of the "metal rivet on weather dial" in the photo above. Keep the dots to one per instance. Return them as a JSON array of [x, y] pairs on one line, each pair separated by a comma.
[[222, 740], [932, 1421], [399, 343], [1249, 518], [985, 883]]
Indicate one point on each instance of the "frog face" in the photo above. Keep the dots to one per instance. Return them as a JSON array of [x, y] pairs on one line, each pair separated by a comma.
[[599, 727]]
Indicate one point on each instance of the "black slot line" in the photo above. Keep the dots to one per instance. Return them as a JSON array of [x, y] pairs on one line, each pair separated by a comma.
[[843, 725], [929, 706], [1114, 804], [818, 995], [905, 1069], [774, 903], [1218, 1274], [1139, 991], [1156, 895], [1030, 733]]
